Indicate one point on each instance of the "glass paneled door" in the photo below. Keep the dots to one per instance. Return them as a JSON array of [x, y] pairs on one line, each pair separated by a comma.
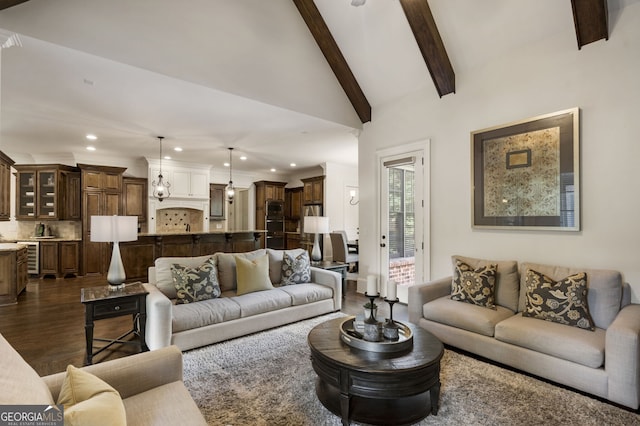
[[402, 239]]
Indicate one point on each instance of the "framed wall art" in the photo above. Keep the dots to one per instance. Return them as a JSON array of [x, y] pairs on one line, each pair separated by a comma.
[[525, 175]]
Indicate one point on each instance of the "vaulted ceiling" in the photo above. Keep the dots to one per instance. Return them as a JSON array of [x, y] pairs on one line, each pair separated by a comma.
[[281, 81]]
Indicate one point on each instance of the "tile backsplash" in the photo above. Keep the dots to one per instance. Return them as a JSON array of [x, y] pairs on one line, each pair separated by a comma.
[[59, 228]]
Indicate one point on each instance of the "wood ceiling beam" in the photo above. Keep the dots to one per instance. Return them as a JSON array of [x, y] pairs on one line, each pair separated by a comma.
[[5, 4], [590, 18], [425, 31], [334, 57]]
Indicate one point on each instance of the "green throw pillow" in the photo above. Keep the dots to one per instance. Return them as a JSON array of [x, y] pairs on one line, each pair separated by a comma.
[[475, 286], [196, 284], [252, 275], [295, 270], [564, 301]]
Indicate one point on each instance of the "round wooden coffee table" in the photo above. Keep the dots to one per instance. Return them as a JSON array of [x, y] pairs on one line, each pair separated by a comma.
[[393, 388]]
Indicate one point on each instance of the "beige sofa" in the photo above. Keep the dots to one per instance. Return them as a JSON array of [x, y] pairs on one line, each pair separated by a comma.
[[231, 315], [604, 362], [150, 385]]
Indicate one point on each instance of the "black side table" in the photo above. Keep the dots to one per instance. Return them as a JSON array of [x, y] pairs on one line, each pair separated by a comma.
[[102, 302], [338, 267]]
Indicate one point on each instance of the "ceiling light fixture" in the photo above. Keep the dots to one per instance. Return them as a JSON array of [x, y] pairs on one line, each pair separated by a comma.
[[91, 148], [160, 188], [231, 191], [91, 137]]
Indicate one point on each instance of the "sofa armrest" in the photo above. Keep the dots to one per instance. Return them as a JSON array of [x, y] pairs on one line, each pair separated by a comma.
[[133, 374], [330, 279], [158, 329], [622, 357], [420, 294]]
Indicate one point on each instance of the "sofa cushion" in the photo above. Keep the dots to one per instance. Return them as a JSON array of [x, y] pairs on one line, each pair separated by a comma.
[[295, 269], [207, 312], [605, 289], [196, 284], [468, 317], [475, 286], [507, 279], [564, 301], [253, 275], [557, 340], [301, 294], [164, 279], [19, 382], [227, 267], [275, 262], [86, 398], [262, 301]]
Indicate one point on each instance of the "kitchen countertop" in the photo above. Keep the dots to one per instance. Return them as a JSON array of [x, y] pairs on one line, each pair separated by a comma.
[[11, 246], [200, 233]]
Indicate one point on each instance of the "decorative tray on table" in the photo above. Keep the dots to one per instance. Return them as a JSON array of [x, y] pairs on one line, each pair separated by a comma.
[[354, 338]]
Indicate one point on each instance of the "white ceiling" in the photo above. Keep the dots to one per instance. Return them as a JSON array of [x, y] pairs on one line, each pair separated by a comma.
[[210, 74]]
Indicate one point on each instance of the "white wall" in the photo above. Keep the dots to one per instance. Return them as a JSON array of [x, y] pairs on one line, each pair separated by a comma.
[[548, 76]]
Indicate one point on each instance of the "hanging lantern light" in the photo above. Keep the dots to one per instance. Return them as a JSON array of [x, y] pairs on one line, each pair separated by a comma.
[[160, 188], [231, 191]]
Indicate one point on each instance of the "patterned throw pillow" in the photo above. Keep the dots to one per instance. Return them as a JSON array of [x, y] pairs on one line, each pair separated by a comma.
[[564, 302], [196, 284], [474, 286], [295, 270]]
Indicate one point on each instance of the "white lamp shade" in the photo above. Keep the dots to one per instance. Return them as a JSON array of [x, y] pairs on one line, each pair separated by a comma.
[[316, 224], [114, 228]]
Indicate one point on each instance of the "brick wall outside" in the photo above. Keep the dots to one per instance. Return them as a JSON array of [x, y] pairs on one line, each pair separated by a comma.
[[402, 270]]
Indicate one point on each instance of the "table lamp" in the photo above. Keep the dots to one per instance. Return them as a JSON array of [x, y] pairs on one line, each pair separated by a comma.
[[316, 225], [114, 229]]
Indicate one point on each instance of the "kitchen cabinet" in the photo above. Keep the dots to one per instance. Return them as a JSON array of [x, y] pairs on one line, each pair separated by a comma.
[[217, 201], [101, 196], [313, 190], [137, 256], [47, 191], [5, 186], [266, 191], [59, 258], [293, 203], [13, 272], [134, 198], [293, 241], [186, 182]]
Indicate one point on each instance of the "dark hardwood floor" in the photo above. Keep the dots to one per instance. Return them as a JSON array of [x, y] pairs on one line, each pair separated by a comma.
[[47, 325]]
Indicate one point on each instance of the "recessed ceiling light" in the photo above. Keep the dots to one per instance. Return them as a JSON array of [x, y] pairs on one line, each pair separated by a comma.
[[243, 158], [292, 164], [177, 149], [91, 137], [166, 157], [273, 170], [226, 164], [91, 148]]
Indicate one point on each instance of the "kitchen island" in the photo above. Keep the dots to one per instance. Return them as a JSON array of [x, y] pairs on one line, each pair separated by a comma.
[[13, 272], [139, 255]]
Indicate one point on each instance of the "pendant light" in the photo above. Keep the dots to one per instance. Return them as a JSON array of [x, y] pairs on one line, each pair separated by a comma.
[[160, 188], [231, 191]]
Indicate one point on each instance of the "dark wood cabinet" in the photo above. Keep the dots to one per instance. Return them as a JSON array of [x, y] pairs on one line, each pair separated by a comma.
[[13, 274], [135, 198], [59, 258], [313, 192], [293, 241], [101, 196], [5, 186], [293, 203], [266, 191], [137, 257], [217, 201], [47, 192]]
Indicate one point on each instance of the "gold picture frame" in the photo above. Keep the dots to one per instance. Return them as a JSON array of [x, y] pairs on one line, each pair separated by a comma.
[[525, 174]]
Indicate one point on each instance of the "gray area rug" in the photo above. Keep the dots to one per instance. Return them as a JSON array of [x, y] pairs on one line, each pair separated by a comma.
[[267, 379]]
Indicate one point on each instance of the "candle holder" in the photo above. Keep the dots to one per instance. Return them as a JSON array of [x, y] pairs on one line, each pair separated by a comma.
[[371, 325], [390, 329]]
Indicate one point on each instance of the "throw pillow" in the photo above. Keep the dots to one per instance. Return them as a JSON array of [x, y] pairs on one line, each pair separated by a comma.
[[196, 284], [86, 398], [295, 270], [475, 286], [252, 275], [564, 301]]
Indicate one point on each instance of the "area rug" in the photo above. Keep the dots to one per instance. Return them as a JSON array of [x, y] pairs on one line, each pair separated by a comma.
[[266, 379]]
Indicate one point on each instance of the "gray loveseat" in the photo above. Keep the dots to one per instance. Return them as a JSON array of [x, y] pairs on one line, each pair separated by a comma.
[[604, 362], [231, 315]]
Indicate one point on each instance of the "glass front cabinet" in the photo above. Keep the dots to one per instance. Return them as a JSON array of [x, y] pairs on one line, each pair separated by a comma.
[[47, 192]]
